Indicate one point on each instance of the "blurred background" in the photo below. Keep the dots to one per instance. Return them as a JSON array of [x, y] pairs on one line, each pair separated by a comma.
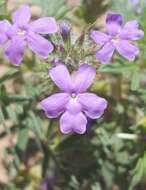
[[34, 155]]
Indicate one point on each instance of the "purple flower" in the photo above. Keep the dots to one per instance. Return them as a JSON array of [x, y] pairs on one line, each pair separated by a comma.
[[22, 32], [73, 100], [117, 38]]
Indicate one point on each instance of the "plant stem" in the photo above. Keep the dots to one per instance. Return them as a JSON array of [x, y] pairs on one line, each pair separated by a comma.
[[117, 87]]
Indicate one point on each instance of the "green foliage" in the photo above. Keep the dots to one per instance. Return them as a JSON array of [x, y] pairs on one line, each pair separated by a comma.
[[139, 172], [96, 186], [10, 74], [22, 139], [90, 10], [52, 7]]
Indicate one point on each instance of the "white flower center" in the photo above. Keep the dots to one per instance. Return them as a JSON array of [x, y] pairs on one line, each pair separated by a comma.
[[21, 32], [73, 97], [115, 40]]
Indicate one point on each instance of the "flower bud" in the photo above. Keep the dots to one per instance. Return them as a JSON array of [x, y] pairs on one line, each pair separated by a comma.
[[56, 62], [65, 30]]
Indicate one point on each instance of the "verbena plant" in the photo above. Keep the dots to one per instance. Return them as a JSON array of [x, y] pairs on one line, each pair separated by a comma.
[[90, 132]]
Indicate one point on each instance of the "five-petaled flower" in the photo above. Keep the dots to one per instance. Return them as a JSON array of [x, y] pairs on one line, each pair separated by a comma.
[[23, 32], [117, 38], [74, 102]]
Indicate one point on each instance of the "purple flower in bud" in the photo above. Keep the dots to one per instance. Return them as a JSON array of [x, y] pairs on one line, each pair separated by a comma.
[[65, 30], [22, 32], [47, 184], [117, 38], [73, 100], [56, 62]]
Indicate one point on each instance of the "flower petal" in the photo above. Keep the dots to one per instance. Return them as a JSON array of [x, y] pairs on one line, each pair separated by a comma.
[[99, 37], [46, 25], [73, 123], [93, 105], [127, 50], [83, 78], [4, 26], [131, 31], [113, 23], [13, 31], [15, 51], [55, 104], [22, 16], [39, 45], [105, 54], [73, 106], [61, 77]]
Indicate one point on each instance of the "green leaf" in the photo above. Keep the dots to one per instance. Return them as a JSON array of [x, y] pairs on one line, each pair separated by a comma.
[[92, 9], [36, 126], [124, 7], [104, 137], [12, 114], [17, 98], [54, 8], [74, 184], [117, 68], [96, 186], [135, 81], [139, 172], [22, 139], [2, 7], [2, 118], [10, 74], [2, 93]]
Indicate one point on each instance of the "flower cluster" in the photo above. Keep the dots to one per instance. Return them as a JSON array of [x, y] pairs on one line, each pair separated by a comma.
[[73, 103]]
